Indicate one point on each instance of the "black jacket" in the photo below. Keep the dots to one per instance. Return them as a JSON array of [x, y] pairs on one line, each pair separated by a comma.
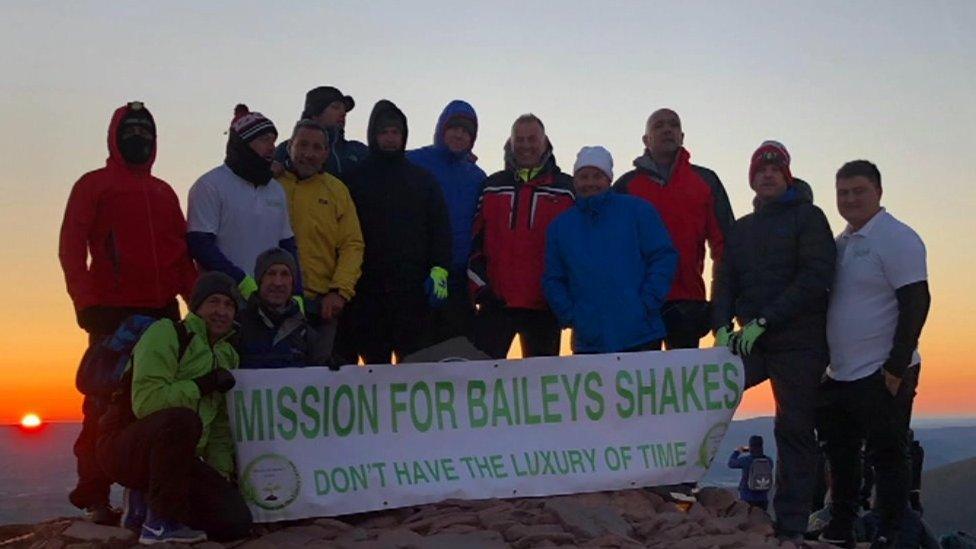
[[402, 213], [779, 265], [278, 340]]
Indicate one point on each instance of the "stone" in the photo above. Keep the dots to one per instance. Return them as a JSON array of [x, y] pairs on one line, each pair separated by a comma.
[[715, 499], [483, 539], [588, 521], [728, 540], [633, 505], [439, 523], [400, 538], [698, 512], [723, 525], [43, 544], [738, 508], [520, 531], [89, 531], [379, 520], [613, 540], [534, 540], [292, 536]]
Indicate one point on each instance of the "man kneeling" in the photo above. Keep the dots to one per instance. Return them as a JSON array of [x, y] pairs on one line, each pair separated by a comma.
[[173, 443]]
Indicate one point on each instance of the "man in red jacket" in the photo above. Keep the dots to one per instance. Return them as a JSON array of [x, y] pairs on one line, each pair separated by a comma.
[[123, 252], [695, 209], [509, 246]]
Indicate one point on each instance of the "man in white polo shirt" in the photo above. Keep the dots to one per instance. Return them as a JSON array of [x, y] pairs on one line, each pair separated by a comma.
[[236, 211], [878, 306]]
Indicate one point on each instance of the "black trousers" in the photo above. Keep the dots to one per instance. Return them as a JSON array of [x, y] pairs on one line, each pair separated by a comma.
[[380, 324], [795, 378], [495, 327], [156, 454], [93, 485], [454, 318], [686, 322], [855, 414]]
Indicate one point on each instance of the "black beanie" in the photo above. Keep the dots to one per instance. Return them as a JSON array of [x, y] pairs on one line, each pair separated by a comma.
[[317, 99], [211, 283], [137, 115], [273, 256]]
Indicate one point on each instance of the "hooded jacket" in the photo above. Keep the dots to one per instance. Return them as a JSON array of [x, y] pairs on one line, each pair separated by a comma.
[[509, 245], [278, 340], [131, 225], [160, 382], [460, 179], [609, 266], [779, 265], [694, 207], [402, 214]]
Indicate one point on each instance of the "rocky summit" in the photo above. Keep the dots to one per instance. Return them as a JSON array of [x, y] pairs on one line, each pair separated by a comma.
[[629, 518]]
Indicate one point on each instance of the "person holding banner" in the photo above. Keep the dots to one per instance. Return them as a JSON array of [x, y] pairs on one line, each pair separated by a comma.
[[775, 279], [609, 264], [167, 434], [274, 332], [509, 247]]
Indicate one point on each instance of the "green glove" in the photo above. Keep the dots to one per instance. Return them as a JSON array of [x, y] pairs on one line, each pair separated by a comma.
[[722, 336], [746, 337], [438, 275], [301, 303], [247, 287]]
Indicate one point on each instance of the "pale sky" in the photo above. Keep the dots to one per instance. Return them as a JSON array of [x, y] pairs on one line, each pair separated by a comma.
[[893, 82]]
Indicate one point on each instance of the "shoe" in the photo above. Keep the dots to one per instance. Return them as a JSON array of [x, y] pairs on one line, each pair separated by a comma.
[[133, 509], [104, 515], [838, 534], [159, 530]]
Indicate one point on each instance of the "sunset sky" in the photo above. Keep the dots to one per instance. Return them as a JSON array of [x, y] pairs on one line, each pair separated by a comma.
[[891, 81]]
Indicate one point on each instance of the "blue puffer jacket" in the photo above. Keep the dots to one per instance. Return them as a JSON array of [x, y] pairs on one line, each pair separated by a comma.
[[609, 266], [460, 179]]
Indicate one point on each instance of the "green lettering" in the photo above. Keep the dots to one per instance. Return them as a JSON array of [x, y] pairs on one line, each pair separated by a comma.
[[709, 384], [285, 411], [549, 398], [595, 413], [477, 409], [623, 377], [310, 412]]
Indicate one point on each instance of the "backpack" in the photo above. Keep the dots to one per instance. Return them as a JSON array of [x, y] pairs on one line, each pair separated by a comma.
[[109, 371], [103, 364], [760, 474]]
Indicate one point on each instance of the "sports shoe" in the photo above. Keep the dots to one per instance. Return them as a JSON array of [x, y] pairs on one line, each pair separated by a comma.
[[133, 509], [838, 534], [103, 514], [159, 530]]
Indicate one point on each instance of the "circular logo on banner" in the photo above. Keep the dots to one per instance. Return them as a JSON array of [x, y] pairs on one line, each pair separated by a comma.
[[272, 482], [710, 443]]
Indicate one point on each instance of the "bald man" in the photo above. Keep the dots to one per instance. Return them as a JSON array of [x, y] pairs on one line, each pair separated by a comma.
[[695, 209]]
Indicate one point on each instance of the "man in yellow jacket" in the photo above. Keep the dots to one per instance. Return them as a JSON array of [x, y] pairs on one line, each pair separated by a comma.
[[323, 217]]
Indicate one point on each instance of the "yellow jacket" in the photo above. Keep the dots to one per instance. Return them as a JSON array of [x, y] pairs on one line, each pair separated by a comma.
[[330, 242]]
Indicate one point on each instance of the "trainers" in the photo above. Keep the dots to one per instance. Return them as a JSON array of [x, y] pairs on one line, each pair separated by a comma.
[[133, 509], [159, 530], [103, 514], [838, 534]]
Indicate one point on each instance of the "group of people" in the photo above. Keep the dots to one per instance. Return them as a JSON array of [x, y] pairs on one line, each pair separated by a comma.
[[326, 251]]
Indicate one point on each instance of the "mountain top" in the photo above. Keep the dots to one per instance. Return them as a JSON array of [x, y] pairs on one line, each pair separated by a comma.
[[629, 518], [949, 497]]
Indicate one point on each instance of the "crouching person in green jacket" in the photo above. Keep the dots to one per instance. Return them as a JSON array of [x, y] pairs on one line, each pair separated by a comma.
[[173, 446]]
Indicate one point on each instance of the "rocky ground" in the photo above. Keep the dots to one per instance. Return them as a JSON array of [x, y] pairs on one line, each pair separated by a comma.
[[631, 518]]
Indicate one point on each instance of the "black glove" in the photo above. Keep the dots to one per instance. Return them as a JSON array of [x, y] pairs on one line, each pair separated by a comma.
[[218, 379]]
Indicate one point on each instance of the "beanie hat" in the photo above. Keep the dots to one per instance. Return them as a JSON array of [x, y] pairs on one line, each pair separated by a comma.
[[273, 256], [771, 152], [250, 125], [213, 282], [463, 122], [137, 115], [756, 443], [595, 157], [317, 99]]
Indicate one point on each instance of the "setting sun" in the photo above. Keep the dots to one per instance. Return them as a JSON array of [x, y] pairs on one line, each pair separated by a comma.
[[30, 421]]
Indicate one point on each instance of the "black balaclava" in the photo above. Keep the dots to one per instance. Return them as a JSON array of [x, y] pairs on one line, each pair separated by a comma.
[[240, 157], [136, 149]]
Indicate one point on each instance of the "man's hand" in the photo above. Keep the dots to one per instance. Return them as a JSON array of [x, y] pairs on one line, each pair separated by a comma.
[[892, 382], [743, 340], [277, 168], [332, 305], [722, 336]]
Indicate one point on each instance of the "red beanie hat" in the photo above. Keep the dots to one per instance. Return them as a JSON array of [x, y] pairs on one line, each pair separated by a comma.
[[771, 152], [250, 125]]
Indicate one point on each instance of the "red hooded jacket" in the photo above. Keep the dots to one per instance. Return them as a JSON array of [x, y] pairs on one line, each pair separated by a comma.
[[131, 226]]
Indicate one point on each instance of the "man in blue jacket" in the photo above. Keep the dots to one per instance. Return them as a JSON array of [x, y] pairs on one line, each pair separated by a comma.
[[452, 164], [743, 458], [609, 264]]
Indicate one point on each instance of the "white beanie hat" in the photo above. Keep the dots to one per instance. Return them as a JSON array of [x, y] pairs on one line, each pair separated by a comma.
[[596, 157]]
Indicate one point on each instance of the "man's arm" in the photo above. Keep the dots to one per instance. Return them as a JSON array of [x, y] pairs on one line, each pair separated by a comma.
[[736, 462], [478, 263], [725, 286], [913, 308], [555, 279], [349, 264], [816, 255], [203, 222], [154, 367], [79, 217], [659, 256], [438, 225]]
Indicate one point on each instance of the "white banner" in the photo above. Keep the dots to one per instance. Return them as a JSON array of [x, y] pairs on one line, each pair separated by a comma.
[[313, 442]]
